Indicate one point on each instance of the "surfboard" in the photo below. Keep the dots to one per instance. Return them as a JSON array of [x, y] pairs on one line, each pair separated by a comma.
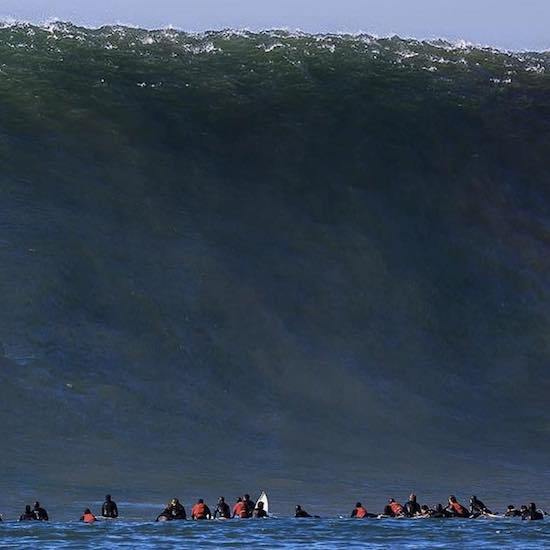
[[263, 498]]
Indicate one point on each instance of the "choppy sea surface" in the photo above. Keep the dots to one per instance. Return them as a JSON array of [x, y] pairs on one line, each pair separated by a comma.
[[280, 533]]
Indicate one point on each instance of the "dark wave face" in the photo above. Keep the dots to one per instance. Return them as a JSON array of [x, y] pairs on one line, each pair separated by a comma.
[[313, 264]]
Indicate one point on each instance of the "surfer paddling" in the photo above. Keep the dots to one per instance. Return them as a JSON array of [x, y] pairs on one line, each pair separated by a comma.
[[456, 509], [360, 512], [393, 509]]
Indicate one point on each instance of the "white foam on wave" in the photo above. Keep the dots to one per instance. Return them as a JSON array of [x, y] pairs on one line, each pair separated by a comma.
[[54, 24], [539, 69], [406, 49]]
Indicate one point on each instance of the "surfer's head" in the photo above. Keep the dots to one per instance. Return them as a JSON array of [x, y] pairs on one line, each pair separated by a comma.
[[358, 505]]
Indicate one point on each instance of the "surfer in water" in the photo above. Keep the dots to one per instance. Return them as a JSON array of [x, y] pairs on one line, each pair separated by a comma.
[[249, 505], [440, 512], [87, 516], [477, 508], [259, 511], [239, 509], [109, 508], [174, 510], [359, 511], [28, 514], [222, 510], [531, 512], [40, 513], [456, 509], [412, 508], [299, 512], [393, 509], [512, 511], [200, 511], [425, 511]]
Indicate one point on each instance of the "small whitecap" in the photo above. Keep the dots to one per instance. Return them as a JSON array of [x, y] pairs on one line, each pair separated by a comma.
[[406, 54], [330, 47], [271, 47], [539, 69]]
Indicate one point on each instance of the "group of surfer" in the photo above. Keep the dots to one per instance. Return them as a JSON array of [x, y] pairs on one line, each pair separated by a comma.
[[246, 508], [453, 510], [36, 513], [243, 508], [174, 510]]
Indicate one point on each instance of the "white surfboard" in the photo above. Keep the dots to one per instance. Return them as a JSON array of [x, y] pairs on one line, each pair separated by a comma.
[[263, 498]]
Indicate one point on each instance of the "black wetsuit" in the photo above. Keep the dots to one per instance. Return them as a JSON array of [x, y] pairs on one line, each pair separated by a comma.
[[533, 515], [477, 508], [222, 511], [177, 512], [412, 508], [40, 514], [440, 512], [172, 513], [27, 516], [165, 515], [109, 509], [249, 507], [302, 514], [260, 513], [512, 513]]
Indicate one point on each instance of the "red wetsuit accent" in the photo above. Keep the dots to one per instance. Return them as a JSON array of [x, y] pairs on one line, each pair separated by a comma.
[[240, 510], [360, 512], [459, 510], [199, 511], [396, 508]]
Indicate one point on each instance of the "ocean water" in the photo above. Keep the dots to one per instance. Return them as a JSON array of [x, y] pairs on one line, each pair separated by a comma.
[[281, 533], [313, 264]]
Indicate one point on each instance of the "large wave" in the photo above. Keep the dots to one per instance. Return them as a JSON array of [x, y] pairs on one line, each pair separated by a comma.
[[272, 259]]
